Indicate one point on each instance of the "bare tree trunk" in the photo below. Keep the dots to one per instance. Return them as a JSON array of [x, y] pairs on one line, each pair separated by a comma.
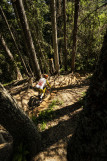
[[30, 65], [51, 65], [54, 31], [43, 59], [36, 37], [17, 123], [27, 35], [65, 35], [9, 54], [75, 34], [14, 41]]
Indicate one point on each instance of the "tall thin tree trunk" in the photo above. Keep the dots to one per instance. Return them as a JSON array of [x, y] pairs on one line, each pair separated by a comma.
[[10, 56], [22, 60], [75, 34], [24, 38], [28, 37], [37, 38], [54, 31], [65, 35]]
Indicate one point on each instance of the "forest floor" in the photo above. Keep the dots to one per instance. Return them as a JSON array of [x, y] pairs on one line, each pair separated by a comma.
[[62, 118], [57, 114]]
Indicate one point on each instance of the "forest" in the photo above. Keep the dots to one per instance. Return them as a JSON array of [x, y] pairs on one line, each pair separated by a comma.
[[63, 42]]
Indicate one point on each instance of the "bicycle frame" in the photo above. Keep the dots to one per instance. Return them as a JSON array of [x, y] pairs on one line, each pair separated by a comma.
[[34, 100]]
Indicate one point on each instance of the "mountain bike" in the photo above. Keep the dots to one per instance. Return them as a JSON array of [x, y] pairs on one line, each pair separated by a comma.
[[35, 100]]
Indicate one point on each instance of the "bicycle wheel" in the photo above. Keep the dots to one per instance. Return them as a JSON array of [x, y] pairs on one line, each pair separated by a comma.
[[33, 102]]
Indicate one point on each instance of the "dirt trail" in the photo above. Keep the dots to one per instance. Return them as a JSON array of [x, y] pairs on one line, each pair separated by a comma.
[[59, 130], [67, 89]]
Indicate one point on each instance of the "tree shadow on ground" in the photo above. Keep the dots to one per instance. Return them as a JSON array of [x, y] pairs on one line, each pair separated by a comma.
[[64, 127], [65, 111]]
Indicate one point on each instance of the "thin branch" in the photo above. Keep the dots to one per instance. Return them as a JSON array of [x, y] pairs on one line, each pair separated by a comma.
[[91, 13]]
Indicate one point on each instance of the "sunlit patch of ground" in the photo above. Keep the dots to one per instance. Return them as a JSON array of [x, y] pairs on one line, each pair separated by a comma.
[[67, 89]]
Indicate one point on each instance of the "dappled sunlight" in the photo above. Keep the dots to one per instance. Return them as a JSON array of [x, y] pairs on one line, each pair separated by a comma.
[[54, 139], [67, 80], [54, 153], [61, 126], [24, 97], [66, 95]]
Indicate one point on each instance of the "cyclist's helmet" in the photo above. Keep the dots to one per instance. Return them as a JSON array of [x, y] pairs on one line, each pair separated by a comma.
[[45, 75]]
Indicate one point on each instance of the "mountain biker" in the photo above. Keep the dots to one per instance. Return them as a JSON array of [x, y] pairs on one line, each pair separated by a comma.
[[41, 86]]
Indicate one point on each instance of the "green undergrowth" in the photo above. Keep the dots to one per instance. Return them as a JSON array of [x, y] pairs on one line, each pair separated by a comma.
[[46, 115]]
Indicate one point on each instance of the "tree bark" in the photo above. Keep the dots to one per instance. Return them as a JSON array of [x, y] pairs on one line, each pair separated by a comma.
[[10, 56], [89, 140], [30, 65], [75, 34], [14, 41], [54, 31], [65, 35], [17, 123], [20, 26], [27, 35]]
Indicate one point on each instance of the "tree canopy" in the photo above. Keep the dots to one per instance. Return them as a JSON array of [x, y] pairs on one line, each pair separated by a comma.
[[90, 28]]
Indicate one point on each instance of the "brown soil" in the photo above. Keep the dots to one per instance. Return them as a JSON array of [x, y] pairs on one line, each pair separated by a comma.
[[68, 89], [58, 131]]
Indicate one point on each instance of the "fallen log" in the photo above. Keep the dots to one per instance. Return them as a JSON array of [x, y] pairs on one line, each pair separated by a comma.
[[18, 89], [16, 83]]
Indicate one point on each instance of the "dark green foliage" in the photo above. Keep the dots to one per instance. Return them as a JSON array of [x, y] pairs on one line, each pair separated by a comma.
[[89, 36], [6, 70]]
